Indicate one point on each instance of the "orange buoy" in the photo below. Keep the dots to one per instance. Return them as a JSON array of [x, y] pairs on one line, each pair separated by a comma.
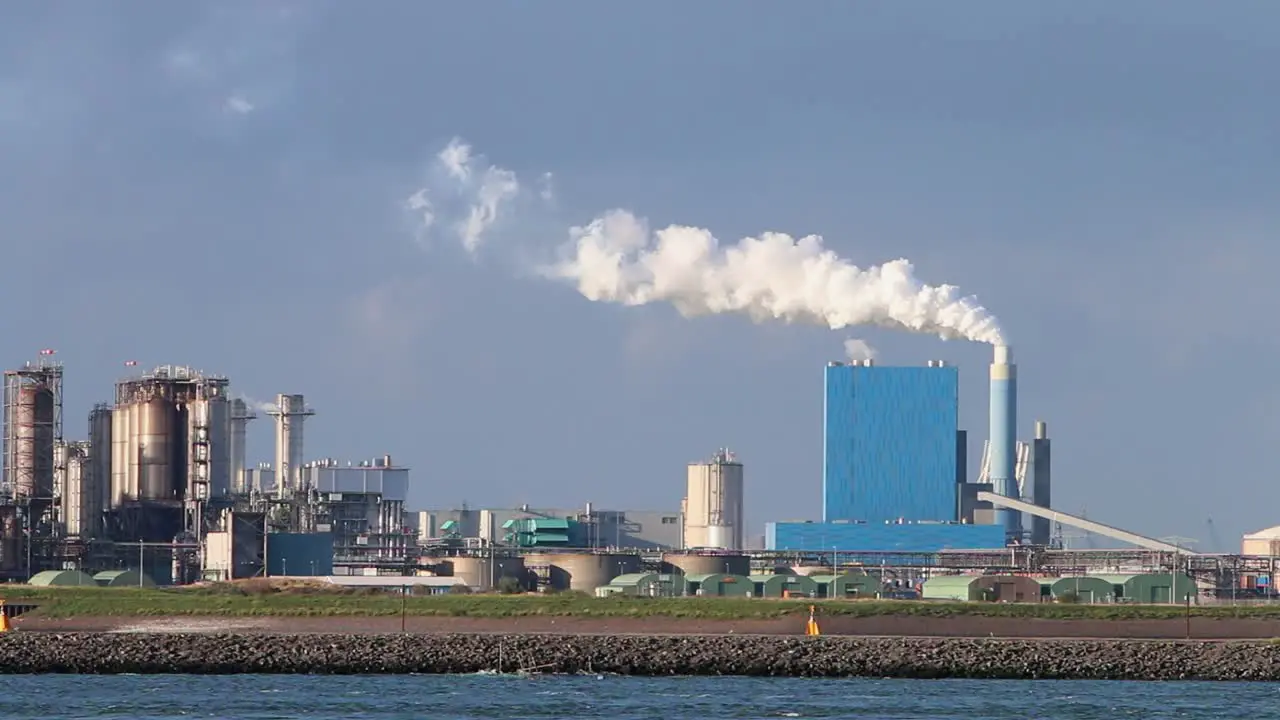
[[811, 628], [4, 618]]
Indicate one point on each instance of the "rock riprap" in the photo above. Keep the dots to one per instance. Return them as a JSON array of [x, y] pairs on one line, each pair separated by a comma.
[[636, 655]]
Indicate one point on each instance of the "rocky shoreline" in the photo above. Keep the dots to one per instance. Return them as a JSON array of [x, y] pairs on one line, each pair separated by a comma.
[[166, 653]]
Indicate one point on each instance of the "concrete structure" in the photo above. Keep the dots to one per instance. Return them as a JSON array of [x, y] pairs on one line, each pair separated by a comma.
[[777, 586], [720, 585], [1081, 589], [580, 571], [1263, 542], [1152, 588], [482, 572], [238, 550], [713, 502], [690, 564], [890, 443], [881, 537], [1002, 434], [596, 528]]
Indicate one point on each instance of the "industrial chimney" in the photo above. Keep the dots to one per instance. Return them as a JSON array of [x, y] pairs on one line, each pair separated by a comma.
[[1003, 442], [289, 412]]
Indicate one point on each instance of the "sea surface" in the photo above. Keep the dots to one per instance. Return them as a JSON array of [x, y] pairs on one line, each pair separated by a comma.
[[258, 697]]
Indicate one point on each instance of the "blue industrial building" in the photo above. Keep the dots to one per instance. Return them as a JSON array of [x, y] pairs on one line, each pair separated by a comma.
[[299, 554], [890, 445], [894, 462], [881, 537]]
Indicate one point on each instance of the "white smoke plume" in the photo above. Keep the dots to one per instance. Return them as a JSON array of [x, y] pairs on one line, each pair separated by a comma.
[[856, 349], [257, 405], [464, 187], [617, 259], [773, 277]]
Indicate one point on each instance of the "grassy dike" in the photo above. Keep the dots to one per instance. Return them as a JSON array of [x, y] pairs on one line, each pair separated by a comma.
[[243, 600]]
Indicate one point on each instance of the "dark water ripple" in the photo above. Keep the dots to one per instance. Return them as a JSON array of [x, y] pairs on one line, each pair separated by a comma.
[[270, 697]]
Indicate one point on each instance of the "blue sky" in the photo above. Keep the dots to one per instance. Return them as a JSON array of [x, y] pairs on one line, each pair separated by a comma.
[[222, 185]]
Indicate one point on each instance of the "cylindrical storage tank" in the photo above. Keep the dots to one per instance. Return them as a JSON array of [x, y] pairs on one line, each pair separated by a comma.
[[714, 498], [133, 453], [60, 451], [718, 536], [585, 572], [157, 444], [101, 453], [709, 564], [31, 431], [121, 433], [80, 497], [485, 572]]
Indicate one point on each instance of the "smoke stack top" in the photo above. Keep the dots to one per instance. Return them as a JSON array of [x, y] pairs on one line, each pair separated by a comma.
[[1003, 355]]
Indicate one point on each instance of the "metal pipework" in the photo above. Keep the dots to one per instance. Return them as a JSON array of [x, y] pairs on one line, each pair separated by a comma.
[[1003, 432]]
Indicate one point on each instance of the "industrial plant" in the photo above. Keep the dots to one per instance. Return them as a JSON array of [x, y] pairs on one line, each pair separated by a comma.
[[159, 491]]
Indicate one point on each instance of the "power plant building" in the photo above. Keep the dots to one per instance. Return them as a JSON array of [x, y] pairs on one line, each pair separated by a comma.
[[894, 463], [890, 450]]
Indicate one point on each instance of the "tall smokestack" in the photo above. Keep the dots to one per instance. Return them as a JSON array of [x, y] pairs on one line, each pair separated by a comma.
[[289, 412], [240, 417], [1003, 443]]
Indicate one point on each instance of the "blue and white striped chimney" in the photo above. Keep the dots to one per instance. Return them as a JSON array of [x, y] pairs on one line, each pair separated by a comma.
[[1003, 435]]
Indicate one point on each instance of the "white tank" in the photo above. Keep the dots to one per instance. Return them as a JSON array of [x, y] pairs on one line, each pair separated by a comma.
[[714, 499], [121, 461], [80, 494]]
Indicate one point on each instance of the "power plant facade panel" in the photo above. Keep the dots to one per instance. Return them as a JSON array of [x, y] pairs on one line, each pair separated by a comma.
[[882, 537], [890, 445]]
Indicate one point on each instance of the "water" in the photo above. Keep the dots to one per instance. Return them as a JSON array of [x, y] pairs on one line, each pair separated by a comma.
[[263, 697]]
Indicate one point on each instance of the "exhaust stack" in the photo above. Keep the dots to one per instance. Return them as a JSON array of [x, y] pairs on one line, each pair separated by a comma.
[[1003, 441]]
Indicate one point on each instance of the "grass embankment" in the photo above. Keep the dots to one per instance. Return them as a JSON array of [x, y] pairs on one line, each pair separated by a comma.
[[301, 600]]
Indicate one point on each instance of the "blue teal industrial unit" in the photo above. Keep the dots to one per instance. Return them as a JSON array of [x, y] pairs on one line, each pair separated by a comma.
[[881, 537], [890, 450]]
